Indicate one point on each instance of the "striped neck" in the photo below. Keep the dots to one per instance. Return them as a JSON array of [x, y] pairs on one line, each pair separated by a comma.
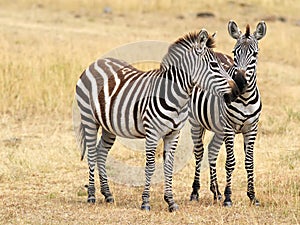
[[252, 85], [180, 79]]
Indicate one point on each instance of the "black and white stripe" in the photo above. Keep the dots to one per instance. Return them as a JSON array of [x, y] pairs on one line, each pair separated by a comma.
[[127, 102], [208, 112]]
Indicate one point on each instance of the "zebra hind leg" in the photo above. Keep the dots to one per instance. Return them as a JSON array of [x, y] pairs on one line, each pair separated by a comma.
[[106, 142], [197, 136], [91, 140]]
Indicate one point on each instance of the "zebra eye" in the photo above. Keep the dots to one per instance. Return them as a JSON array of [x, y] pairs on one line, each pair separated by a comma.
[[255, 54], [214, 64], [198, 50]]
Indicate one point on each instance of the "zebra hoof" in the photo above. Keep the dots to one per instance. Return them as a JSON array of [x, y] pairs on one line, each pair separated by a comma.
[[194, 197], [174, 207], [109, 199], [145, 207], [91, 200], [255, 202], [219, 197], [227, 204]]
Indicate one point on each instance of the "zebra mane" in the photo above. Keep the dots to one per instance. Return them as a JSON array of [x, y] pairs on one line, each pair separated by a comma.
[[247, 34], [191, 38], [186, 42]]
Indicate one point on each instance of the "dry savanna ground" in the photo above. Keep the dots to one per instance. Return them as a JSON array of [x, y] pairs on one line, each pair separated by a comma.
[[45, 45]]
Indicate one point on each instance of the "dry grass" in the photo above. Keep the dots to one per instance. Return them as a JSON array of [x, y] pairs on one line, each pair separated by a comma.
[[45, 45]]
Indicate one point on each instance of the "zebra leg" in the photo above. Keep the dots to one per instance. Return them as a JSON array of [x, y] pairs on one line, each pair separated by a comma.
[[249, 139], [91, 131], [213, 152], [151, 144], [197, 136], [104, 145], [229, 167], [170, 144]]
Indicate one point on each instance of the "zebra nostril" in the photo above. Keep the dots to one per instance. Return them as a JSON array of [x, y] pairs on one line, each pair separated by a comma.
[[243, 73], [240, 80]]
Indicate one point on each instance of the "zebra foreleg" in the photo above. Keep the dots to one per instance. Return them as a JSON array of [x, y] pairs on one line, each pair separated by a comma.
[[105, 144], [197, 136], [151, 144], [229, 167], [249, 139], [213, 152], [170, 144]]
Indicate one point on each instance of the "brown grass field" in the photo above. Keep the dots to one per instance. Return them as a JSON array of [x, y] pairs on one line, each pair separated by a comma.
[[45, 45]]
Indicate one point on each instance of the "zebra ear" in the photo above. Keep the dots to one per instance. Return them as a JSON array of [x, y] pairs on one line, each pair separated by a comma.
[[214, 35], [234, 30], [202, 38], [261, 30]]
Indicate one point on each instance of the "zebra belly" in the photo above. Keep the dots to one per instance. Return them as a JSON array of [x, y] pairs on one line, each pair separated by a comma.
[[126, 124], [129, 121]]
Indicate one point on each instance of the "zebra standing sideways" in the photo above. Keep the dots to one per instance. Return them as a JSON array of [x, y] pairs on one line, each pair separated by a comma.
[[127, 102], [241, 116]]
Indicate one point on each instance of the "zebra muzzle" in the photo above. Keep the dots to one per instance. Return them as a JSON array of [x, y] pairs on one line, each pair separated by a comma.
[[239, 78]]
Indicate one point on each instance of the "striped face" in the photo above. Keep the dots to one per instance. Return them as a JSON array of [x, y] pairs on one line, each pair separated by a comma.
[[246, 49], [245, 55]]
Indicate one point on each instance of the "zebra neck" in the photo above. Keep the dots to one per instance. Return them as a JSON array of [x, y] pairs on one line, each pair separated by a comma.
[[180, 80], [251, 91]]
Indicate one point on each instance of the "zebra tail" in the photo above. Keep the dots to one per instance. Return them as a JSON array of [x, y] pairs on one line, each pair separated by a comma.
[[81, 140], [79, 130]]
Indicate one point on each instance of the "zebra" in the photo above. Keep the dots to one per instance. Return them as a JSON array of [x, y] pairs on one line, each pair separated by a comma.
[[130, 103], [208, 112]]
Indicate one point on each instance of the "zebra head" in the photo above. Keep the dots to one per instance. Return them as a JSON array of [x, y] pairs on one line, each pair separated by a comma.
[[207, 72], [246, 48], [193, 55]]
